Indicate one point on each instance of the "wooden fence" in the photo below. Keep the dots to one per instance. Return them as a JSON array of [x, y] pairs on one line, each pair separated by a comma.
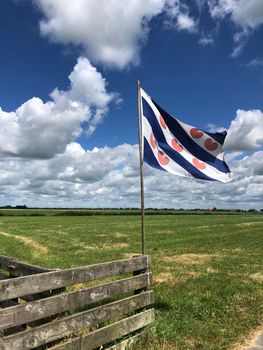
[[38, 309]]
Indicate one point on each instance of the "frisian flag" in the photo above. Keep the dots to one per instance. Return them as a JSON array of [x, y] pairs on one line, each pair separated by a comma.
[[181, 149]]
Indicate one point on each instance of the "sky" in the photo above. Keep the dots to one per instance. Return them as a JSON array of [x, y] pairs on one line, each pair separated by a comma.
[[68, 98]]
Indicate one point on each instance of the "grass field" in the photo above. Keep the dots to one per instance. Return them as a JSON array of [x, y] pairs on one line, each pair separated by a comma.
[[208, 274]]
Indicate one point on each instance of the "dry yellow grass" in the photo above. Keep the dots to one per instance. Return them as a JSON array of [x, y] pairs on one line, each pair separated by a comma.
[[120, 235], [249, 340], [165, 277], [257, 277], [36, 247], [105, 246], [189, 259], [247, 224]]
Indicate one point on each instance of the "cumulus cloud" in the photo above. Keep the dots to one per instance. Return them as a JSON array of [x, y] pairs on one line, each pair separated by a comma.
[[110, 31], [40, 129], [109, 177], [246, 131], [250, 165], [76, 177], [246, 15]]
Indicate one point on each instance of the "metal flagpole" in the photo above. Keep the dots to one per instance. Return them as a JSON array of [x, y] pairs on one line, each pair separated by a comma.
[[141, 168]]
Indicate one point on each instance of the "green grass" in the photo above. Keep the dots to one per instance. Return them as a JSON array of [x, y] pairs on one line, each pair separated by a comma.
[[207, 268]]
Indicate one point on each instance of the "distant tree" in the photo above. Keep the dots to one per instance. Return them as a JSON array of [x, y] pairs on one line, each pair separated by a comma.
[[21, 206]]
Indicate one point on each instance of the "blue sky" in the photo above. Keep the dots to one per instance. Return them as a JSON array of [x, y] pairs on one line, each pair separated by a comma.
[[202, 61]]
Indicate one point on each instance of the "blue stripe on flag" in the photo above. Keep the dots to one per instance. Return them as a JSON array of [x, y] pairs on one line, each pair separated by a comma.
[[174, 155], [188, 143], [149, 157], [218, 136]]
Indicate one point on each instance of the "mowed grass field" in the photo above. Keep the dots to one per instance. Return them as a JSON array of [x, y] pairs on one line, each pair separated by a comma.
[[208, 269]]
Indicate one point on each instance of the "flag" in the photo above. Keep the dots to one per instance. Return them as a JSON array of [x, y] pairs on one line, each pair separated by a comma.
[[170, 145]]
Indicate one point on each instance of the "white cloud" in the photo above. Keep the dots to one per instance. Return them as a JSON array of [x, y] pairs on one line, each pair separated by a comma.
[[240, 40], [177, 14], [246, 14], [109, 177], [185, 22], [207, 39], [233, 155], [246, 131], [243, 12], [41, 130], [250, 165], [110, 31], [256, 62], [214, 128], [73, 178]]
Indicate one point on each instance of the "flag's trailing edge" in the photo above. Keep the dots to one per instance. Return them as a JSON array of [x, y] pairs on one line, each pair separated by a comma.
[[178, 148]]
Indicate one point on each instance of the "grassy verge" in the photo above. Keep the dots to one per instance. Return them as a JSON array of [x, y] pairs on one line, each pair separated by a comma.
[[207, 268], [122, 212]]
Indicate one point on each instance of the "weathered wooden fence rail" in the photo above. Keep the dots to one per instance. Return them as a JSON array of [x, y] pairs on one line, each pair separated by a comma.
[[38, 309]]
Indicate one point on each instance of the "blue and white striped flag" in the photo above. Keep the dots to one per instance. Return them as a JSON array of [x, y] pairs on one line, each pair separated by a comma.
[[180, 149]]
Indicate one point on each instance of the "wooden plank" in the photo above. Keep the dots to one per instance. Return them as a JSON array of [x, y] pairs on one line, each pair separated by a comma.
[[76, 323], [18, 268], [7, 304], [13, 328], [125, 344], [27, 285], [109, 333], [68, 301], [38, 296]]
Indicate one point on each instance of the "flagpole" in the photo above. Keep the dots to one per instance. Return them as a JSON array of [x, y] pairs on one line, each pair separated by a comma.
[[141, 168]]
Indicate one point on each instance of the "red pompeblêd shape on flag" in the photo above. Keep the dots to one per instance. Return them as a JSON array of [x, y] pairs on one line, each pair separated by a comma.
[[162, 158], [210, 144], [196, 133], [177, 146], [198, 164]]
